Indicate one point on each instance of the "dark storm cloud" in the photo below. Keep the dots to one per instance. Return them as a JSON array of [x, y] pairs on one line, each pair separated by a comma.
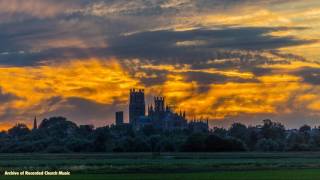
[[165, 44], [21, 114], [165, 7], [162, 46], [34, 40], [7, 97], [209, 78], [82, 110], [149, 80], [31, 38], [27, 58], [86, 111], [310, 75], [258, 71]]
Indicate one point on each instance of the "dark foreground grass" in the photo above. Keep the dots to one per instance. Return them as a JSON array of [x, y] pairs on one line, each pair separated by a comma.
[[184, 166], [163, 163], [298, 174]]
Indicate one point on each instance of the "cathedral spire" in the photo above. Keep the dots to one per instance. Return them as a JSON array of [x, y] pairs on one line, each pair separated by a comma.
[[35, 125]]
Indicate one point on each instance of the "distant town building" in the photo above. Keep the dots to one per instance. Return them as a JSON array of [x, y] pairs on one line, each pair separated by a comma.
[[119, 118]]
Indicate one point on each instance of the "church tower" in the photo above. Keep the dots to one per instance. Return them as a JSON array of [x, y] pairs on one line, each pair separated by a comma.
[[35, 125], [136, 105], [159, 104]]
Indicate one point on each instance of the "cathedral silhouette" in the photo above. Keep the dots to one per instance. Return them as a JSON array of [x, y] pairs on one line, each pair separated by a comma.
[[159, 114]]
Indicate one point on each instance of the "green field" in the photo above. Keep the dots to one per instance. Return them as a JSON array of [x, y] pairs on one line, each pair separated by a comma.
[[304, 165]]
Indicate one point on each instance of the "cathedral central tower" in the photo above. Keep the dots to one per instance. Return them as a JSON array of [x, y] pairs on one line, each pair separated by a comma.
[[136, 105]]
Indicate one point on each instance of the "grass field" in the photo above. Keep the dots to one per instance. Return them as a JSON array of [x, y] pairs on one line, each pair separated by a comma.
[[255, 166], [242, 175]]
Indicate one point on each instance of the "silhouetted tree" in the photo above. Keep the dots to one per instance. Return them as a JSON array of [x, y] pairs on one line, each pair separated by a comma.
[[272, 130], [216, 143], [220, 132], [195, 143], [59, 135], [305, 129], [239, 131], [102, 140], [268, 145], [18, 131]]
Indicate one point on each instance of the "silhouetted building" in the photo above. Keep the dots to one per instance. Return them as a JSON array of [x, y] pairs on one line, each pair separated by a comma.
[[160, 115], [119, 118], [136, 105], [35, 125], [199, 125], [159, 104]]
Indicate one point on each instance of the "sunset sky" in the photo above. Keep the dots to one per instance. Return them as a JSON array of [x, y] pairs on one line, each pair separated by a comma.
[[226, 60]]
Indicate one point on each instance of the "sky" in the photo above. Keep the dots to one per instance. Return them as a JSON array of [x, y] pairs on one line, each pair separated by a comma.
[[228, 61]]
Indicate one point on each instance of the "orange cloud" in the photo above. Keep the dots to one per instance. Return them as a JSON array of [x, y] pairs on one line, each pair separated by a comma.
[[107, 82], [95, 80], [233, 99], [271, 94]]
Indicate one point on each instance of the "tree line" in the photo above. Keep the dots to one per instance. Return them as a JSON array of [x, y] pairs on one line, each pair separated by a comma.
[[58, 135]]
